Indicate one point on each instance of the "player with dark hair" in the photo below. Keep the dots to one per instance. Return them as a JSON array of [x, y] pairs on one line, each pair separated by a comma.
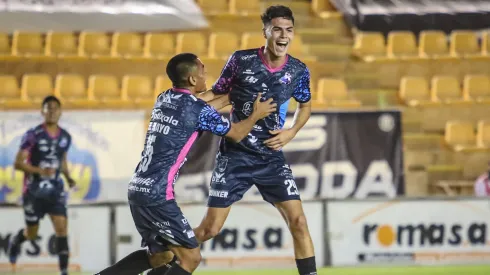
[[43, 157], [258, 159], [177, 120]]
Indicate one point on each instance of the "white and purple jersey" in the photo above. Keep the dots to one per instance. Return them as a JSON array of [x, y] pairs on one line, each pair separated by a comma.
[[177, 120], [243, 77]]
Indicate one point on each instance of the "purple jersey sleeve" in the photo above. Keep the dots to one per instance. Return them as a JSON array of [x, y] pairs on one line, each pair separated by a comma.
[[210, 120], [28, 141], [302, 92], [225, 82]]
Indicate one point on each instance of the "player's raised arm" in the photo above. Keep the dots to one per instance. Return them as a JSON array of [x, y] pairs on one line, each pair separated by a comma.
[[211, 120]]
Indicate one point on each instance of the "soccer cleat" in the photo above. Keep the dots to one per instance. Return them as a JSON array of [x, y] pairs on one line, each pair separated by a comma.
[[13, 252]]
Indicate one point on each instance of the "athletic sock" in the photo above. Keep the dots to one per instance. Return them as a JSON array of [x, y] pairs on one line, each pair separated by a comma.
[[134, 263], [177, 270], [162, 269], [63, 253], [306, 266]]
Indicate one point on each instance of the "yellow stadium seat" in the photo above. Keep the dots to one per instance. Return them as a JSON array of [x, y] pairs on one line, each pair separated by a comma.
[[11, 96], [464, 43], [222, 44], [159, 45], [37, 86], [321, 6], [72, 90], [414, 91], [433, 44], [252, 40], [333, 92], [483, 134], [162, 84], [61, 44], [446, 89], [194, 42], [214, 6], [245, 7], [105, 90], [477, 87], [296, 48], [94, 44], [460, 134], [4, 44], [401, 44], [27, 43], [139, 90], [369, 45], [485, 43], [127, 44]]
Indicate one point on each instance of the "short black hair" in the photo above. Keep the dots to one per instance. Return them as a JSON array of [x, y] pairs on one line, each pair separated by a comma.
[[275, 12], [50, 98], [179, 67]]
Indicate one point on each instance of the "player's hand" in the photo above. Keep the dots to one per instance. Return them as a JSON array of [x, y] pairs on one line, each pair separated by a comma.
[[263, 109], [71, 182], [280, 139], [46, 172]]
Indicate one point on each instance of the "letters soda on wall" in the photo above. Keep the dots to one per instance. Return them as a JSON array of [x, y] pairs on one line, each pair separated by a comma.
[[409, 232]]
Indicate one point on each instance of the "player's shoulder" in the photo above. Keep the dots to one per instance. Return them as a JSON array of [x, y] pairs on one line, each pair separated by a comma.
[[296, 63], [34, 131], [65, 133], [246, 54]]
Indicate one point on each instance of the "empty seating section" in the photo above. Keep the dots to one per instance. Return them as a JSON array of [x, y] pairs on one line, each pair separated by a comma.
[[61, 44]]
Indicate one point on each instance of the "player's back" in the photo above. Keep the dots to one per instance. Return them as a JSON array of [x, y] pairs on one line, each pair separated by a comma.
[[171, 133]]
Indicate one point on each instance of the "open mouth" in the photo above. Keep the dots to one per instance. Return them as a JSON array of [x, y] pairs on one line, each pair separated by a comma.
[[282, 45]]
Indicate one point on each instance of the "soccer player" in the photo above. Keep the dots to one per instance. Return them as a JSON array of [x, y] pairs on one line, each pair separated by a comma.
[[177, 120], [42, 157]]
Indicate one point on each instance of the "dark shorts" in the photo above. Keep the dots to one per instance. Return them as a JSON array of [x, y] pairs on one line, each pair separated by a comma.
[[35, 207], [234, 175], [163, 225]]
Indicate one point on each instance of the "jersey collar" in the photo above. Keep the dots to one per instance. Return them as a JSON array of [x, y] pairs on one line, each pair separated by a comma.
[[185, 91], [271, 70], [49, 134]]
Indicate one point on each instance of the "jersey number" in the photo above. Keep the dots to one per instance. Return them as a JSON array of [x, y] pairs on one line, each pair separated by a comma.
[[292, 189], [145, 161]]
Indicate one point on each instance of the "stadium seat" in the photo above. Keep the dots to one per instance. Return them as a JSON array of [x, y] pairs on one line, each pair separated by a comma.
[[139, 90], [333, 92], [194, 42], [72, 90], [245, 7], [369, 45], [61, 44], [222, 44], [94, 44], [297, 47], [4, 44], [483, 134], [414, 91], [464, 43], [105, 90], [37, 86], [460, 135], [162, 83], [214, 6], [127, 44], [11, 96], [477, 88], [252, 40], [433, 44], [159, 45], [321, 6], [401, 44], [485, 43], [27, 43], [446, 89]]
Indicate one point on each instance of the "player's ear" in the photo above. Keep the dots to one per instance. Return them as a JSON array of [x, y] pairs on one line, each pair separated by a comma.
[[192, 80], [263, 32]]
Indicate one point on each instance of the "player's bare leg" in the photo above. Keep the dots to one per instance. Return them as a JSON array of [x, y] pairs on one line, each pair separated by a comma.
[[304, 252], [189, 260], [60, 226], [212, 223], [29, 233]]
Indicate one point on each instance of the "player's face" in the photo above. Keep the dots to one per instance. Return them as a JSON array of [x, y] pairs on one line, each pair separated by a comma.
[[51, 112], [200, 77], [279, 34]]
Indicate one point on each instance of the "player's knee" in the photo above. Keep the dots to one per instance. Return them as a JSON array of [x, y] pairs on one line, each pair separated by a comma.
[[192, 259], [159, 259], [299, 226]]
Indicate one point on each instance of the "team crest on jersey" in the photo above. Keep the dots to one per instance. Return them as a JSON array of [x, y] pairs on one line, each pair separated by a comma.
[[286, 79], [222, 163], [247, 108], [63, 142]]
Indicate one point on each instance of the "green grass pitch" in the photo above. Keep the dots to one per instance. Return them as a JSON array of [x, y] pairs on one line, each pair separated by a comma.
[[444, 270]]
